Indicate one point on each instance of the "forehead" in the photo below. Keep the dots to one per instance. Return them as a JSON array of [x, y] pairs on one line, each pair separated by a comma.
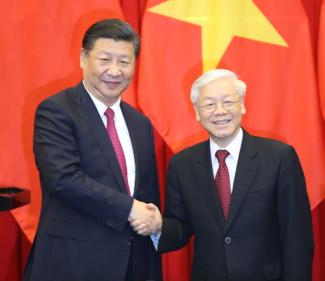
[[219, 88], [109, 45]]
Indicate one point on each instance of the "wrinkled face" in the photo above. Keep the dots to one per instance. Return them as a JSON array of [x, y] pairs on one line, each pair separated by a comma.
[[108, 68], [219, 110]]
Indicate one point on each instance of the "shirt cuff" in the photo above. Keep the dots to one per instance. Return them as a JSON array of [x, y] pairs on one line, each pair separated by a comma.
[[155, 240]]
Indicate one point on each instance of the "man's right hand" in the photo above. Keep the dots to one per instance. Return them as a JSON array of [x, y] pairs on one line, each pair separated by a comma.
[[145, 219]]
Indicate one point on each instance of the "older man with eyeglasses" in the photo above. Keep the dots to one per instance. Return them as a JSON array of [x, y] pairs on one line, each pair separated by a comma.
[[242, 197]]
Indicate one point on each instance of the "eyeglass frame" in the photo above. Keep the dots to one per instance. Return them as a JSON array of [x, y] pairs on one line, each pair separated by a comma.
[[226, 105]]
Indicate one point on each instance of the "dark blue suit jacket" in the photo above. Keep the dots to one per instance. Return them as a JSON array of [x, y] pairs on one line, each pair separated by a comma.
[[83, 232], [268, 234]]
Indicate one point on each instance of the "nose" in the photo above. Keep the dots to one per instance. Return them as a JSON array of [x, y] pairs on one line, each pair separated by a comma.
[[219, 108], [114, 69]]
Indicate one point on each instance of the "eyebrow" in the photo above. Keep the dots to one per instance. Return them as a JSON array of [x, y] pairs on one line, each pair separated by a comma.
[[103, 52]]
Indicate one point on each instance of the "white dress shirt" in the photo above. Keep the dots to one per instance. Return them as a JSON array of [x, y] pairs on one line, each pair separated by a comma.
[[123, 134], [233, 148]]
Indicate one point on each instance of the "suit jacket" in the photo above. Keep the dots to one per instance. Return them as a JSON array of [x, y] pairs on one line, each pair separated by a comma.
[[268, 233], [83, 232]]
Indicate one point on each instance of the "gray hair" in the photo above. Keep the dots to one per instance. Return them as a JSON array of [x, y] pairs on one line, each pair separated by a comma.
[[214, 74]]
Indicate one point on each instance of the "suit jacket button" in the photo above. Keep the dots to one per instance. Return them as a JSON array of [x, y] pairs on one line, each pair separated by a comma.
[[228, 240]]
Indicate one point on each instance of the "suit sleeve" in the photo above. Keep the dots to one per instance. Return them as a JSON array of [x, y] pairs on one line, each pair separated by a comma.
[[176, 227], [62, 177], [295, 219]]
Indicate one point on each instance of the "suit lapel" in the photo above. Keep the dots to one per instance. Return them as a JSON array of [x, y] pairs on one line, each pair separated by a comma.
[[205, 180], [247, 167], [89, 114]]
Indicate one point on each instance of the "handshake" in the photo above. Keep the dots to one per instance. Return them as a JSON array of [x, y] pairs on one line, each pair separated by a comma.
[[145, 219]]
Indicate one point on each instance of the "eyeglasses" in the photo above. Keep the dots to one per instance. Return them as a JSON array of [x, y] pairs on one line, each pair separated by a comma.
[[226, 104]]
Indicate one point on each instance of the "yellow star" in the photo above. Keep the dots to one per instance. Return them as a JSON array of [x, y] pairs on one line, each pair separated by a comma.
[[220, 21]]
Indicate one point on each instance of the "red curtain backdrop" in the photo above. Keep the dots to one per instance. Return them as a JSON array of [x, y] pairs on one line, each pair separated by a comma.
[[321, 56], [282, 59]]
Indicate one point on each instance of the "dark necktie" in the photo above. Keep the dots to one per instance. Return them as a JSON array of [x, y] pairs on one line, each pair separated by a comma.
[[223, 182], [112, 133]]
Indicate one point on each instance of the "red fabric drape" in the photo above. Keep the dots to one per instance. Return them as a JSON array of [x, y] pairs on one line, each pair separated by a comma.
[[14, 248], [321, 56]]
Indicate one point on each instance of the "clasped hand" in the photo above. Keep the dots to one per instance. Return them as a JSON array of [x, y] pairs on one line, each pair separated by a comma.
[[145, 219]]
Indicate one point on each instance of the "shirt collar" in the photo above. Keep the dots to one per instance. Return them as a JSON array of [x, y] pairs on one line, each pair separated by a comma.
[[101, 107], [233, 148]]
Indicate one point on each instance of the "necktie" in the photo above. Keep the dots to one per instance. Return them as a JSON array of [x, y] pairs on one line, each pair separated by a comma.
[[112, 133], [223, 182]]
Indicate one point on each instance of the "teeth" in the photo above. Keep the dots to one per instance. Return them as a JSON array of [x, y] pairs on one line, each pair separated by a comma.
[[222, 122]]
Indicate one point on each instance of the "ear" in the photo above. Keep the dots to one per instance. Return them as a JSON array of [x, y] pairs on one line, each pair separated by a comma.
[[242, 108], [197, 114], [83, 57]]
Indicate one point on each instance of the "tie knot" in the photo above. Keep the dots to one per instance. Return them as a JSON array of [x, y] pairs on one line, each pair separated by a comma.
[[109, 113], [222, 155]]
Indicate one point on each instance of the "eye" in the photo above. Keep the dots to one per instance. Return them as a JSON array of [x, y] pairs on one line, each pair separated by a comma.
[[227, 102], [208, 105], [124, 62], [104, 60]]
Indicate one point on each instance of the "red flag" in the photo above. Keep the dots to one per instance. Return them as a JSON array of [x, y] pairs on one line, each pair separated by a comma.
[[321, 57], [40, 44], [267, 43]]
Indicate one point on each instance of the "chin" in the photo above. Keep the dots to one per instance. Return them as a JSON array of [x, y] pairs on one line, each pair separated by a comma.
[[222, 135]]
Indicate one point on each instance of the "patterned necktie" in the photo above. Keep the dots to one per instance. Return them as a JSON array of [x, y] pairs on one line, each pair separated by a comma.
[[223, 182], [112, 133]]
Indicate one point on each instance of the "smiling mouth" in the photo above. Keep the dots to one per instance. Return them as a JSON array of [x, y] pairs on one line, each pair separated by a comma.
[[221, 122], [112, 84]]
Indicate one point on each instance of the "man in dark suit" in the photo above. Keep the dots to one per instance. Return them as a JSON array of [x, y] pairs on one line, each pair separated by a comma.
[[95, 155], [249, 214]]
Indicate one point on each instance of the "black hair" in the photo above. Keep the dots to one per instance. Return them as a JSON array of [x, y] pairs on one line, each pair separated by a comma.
[[113, 29]]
